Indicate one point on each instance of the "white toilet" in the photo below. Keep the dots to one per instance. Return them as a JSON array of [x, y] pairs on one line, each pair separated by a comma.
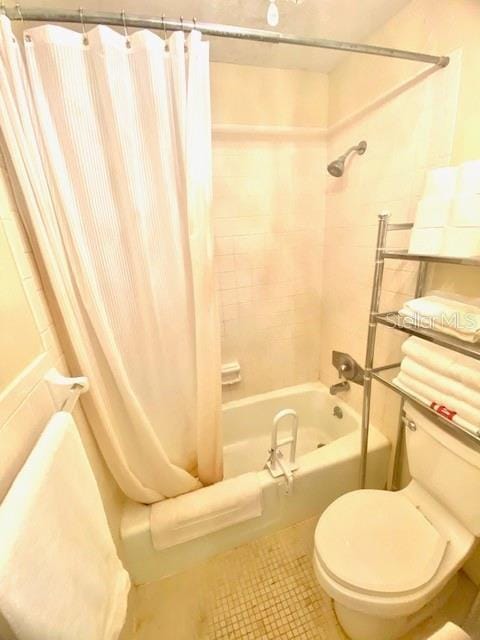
[[389, 559]]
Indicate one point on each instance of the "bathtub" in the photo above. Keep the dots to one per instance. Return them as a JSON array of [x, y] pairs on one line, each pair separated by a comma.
[[328, 448]]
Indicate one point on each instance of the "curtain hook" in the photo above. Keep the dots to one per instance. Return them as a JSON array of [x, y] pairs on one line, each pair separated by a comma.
[[20, 15], [164, 32], [3, 10], [125, 30], [194, 22], [181, 22], [85, 37], [19, 11]]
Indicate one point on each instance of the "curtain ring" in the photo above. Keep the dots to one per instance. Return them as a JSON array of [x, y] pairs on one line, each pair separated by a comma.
[[125, 31], [181, 22], [194, 20], [3, 9], [85, 37]]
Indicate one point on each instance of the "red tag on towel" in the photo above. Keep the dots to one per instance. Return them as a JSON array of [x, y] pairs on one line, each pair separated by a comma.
[[443, 410]]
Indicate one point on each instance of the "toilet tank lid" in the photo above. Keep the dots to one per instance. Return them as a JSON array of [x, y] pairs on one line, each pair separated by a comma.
[[378, 542]]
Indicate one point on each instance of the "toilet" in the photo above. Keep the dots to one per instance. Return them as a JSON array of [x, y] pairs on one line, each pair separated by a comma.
[[390, 559]]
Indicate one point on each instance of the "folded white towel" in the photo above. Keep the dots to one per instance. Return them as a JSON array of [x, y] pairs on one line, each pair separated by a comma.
[[445, 315], [441, 409], [450, 631], [461, 242], [468, 178], [426, 241], [60, 576], [440, 383], [437, 399], [441, 182], [433, 212], [465, 211], [446, 362], [205, 510]]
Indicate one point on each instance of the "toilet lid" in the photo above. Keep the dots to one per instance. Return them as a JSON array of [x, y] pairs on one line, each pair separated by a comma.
[[378, 541]]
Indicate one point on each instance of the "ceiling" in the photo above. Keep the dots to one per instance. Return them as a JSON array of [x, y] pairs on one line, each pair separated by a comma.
[[349, 20]]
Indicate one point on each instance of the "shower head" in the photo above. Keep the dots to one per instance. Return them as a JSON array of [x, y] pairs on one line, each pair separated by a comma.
[[337, 167]]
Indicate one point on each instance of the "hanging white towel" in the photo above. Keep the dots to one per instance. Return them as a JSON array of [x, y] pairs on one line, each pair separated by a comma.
[[60, 576], [445, 315], [441, 182], [433, 212], [446, 362], [206, 510]]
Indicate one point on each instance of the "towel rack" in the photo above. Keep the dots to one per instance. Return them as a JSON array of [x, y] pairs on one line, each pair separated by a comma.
[[75, 386], [391, 319]]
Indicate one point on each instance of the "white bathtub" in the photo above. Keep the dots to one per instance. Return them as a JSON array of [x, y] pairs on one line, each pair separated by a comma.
[[327, 457]]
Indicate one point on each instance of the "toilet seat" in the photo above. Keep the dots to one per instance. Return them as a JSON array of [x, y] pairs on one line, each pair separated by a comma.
[[378, 542], [460, 543]]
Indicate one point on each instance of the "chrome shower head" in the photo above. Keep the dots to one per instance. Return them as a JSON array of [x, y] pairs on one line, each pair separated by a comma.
[[337, 167]]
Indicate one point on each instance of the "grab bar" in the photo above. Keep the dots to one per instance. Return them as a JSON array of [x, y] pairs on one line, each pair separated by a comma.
[[275, 463]]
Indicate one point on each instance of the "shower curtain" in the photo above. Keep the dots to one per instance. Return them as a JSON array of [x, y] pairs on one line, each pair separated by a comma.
[[109, 140]]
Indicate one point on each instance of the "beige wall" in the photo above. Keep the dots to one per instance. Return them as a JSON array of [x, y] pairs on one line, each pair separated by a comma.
[[430, 26], [261, 96], [269, 208], [436, 27], [26, 400]]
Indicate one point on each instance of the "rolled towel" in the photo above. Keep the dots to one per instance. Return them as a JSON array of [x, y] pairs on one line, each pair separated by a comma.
[[433, 212], [427, 241], [450, 631], [468, 179], [445, 315], [441, 409], [446, 362], [441, 383], [465, 211], [441, 182], [436, 399], [205, 510], [461, 242]]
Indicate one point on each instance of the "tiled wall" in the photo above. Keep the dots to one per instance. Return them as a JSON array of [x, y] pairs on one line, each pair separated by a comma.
[[27, 405], [406, 135], [269, 212]]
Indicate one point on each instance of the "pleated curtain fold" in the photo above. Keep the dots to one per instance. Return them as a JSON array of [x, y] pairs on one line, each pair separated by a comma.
[[110, 142]]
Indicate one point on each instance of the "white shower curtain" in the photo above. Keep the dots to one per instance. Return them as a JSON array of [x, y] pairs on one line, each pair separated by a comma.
[[110, 144]]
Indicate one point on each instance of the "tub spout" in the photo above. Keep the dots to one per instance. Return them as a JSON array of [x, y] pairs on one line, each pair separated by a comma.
[[340, 386]]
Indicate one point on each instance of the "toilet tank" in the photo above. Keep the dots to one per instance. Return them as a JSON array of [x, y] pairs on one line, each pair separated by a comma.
[[448, 468]]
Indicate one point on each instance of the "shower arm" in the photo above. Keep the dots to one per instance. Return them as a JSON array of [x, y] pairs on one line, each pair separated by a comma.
[[220, 30]]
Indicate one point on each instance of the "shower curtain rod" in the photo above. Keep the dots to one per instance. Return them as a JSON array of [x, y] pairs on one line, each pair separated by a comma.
[[219, 30]]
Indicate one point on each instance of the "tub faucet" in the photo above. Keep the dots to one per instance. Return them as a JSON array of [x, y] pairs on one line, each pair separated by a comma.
[[340, 386]]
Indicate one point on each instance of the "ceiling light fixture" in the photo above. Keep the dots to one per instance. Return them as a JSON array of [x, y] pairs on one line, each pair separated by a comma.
[[272, 14]]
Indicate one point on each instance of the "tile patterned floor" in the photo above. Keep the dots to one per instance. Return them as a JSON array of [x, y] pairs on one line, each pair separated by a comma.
[[264, 590]]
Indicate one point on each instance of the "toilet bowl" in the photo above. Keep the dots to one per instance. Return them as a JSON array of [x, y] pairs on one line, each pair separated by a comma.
[[389, 559]]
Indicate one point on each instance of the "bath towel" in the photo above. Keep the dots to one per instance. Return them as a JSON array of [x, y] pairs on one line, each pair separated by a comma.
[[206, 510], [444, 405], [60, 576], [465, 211], [441, 383], [433, 212], [445, 315], [450, 631], [461, 242], [468, 177], [441, 182], [427, 241], [444, 361]]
